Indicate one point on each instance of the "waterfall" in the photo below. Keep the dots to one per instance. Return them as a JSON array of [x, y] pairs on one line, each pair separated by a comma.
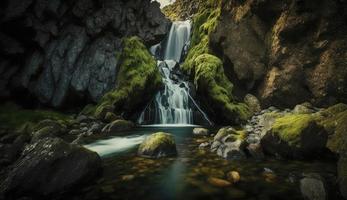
[[173, 104]]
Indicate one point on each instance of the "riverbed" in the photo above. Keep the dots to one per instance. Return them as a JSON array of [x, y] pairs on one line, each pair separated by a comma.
[[127, 176]]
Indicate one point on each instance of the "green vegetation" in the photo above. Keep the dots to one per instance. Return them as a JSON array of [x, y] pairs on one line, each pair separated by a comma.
[[214, 88], [13, 117], [334, 120], [155, 140], [137, 80], [290, 127], [213, 85]]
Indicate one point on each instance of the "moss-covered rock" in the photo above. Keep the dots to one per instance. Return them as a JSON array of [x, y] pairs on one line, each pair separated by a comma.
[[216, 90], [295, 136], [137, 81], [158, 145], [334, 120], [230, 143]]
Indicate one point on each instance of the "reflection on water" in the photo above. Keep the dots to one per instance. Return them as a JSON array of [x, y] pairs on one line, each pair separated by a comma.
[[127, 176]]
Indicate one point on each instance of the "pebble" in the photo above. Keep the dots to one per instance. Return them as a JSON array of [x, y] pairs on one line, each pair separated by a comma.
[[218, 182], [234, 176]]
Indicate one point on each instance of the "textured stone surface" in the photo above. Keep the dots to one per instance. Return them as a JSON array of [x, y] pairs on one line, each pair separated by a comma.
[[60, 52]]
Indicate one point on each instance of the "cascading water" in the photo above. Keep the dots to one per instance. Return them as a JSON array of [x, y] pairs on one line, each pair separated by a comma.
[[173, 104]]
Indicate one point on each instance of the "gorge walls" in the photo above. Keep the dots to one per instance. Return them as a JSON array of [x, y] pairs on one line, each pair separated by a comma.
[[63, 52]]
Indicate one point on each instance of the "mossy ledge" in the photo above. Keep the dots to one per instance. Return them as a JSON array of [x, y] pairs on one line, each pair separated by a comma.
[[15, 118], [137, 81]]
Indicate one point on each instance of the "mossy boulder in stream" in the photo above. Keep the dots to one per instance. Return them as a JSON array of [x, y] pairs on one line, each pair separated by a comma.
[[158, 145], [138, 79], [295, 136]]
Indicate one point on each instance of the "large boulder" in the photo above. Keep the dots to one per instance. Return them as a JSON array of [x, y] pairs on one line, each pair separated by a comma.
[[49, 167], [295, 136], [158, 145], [312, 187]]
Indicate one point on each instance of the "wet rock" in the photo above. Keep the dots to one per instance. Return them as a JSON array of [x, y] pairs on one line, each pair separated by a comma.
[[305, 108], [229, 144], [312, 187], [200, 131], [204, 145], [128, 177], [118, 126], [218, 182], [256, 151], [51, 166], [158, 145], [253, 103]]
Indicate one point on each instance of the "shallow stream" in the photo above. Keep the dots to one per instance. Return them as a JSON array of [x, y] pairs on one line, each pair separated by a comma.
[[127, 176]]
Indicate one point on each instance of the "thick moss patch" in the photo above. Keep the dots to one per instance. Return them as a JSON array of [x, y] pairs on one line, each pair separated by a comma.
[[158, 145], [137, 80], [289, 127], [14, 117], [216, 90]]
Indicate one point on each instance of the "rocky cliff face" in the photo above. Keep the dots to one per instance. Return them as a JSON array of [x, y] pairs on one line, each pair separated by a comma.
[[61, 52], [286, 52]]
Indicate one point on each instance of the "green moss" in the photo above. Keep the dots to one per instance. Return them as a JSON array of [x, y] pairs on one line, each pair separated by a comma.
[[157, 139], [290, 127], [137, 80], [334, 120], [88, 110], [204, 23], [216, 88], [14, 118]]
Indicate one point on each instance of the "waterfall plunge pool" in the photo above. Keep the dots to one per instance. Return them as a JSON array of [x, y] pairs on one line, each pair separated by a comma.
[[127, 176]]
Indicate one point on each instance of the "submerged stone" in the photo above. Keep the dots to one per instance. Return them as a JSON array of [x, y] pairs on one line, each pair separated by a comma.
[[158, 145], [218, 182]]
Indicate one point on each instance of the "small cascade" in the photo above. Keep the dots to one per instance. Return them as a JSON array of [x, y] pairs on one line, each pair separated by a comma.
[[174, 103]]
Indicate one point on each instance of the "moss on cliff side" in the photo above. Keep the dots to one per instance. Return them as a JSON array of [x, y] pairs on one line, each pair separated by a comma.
[[213, 85], [137, 80], [214, 88]]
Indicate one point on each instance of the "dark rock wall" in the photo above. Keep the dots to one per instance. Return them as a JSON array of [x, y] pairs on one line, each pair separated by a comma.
[[286, 52], [60, 52]]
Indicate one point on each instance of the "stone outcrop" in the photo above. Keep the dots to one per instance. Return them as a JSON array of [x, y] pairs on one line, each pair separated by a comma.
[[50, 167], [60, 52], [286, 52]]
